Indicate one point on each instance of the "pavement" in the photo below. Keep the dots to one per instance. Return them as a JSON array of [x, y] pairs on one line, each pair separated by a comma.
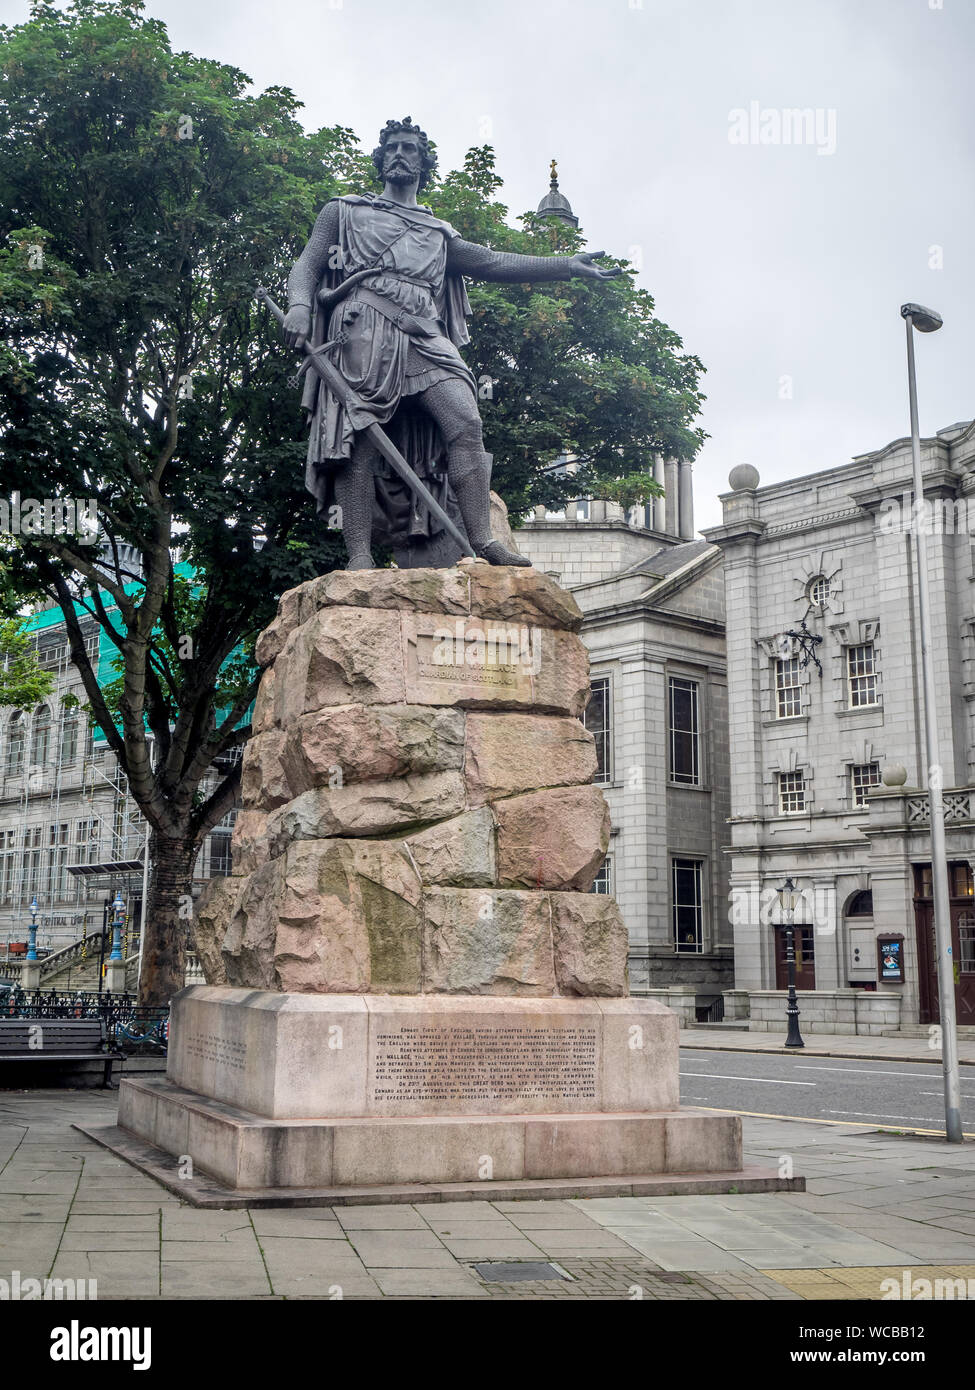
[[891, 1049], [877, 1208]]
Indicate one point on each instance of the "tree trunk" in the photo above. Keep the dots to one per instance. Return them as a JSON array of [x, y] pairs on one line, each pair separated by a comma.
[[168, 918]]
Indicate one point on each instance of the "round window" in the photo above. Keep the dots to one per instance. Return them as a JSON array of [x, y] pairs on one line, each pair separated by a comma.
[[818, 591]]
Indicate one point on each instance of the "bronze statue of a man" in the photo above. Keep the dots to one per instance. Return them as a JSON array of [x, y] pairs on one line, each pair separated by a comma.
[[395, 337]]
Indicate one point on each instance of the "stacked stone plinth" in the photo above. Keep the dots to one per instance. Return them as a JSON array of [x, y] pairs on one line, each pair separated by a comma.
[[418, 809], [412, 993]]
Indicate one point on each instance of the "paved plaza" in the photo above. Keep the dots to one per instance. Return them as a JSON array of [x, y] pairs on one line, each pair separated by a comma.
[[875, 1206]]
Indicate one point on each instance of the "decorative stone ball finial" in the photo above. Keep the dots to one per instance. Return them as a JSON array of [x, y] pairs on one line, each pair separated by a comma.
[[894, 775], [744, 477]]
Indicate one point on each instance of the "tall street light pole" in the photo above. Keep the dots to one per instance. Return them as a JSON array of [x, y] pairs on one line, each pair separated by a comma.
[[928, 321]]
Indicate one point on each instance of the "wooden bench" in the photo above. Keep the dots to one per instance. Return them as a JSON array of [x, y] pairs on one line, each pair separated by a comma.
[[57, 1040]]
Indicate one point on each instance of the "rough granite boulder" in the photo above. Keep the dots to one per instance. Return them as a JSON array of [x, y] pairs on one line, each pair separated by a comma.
[[418, 809]]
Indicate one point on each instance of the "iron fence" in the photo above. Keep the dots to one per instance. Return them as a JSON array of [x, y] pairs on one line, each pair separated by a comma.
[[131, 1027]]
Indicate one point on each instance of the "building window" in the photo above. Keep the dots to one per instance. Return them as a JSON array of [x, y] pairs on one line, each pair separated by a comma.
[[603, 882], [792, 793], [966, 941], [86, 842], [688, 899], [787, 690], [817, 591], [53, 655], [31, 862], [861, 675], [8, 864], [219, 854], [69, 737], [863, 776], [685, 752], [40, 747], [57, 862], [599, 723], [15, 745]]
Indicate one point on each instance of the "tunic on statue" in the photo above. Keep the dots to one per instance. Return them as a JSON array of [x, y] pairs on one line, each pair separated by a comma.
[[384, 365]]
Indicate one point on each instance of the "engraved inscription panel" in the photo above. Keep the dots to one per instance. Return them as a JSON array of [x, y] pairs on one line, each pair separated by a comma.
[[464, 660], [214, 1047], [488, 1063]]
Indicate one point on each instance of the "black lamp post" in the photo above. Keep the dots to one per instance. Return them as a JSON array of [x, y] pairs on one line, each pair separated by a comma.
[[787, 901]]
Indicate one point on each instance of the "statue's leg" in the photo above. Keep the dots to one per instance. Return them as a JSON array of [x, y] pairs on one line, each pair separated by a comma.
[[453, 407], [354, 493]]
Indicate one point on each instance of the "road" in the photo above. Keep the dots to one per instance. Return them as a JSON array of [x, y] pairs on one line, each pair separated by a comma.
[[904, 1095]]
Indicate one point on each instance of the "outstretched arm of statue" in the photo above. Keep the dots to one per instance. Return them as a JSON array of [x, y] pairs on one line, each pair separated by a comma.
[[483, 264], [307, 273]]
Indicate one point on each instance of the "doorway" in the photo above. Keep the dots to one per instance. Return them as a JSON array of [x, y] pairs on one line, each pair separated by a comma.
[[805, 958], [962, 912]]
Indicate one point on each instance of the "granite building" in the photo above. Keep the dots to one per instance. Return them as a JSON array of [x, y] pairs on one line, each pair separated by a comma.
[[826, 732], [653, 599]]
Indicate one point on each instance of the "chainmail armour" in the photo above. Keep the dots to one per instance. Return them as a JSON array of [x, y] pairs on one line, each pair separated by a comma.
[[414, 383]]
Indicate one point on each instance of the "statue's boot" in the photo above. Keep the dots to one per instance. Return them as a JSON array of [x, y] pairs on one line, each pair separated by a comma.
[[473, 493]]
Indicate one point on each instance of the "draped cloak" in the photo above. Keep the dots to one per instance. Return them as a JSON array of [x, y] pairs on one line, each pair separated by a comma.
[[385, 366]]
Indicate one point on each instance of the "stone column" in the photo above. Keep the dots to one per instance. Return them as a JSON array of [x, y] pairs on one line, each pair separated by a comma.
[[670, 482], [685, 491], [659, 503]]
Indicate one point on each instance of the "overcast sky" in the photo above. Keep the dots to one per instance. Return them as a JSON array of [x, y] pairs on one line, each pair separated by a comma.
[[781, 267]]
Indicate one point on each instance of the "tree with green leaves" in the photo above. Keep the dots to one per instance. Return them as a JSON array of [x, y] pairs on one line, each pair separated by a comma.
[[143, 196], [22, 681]]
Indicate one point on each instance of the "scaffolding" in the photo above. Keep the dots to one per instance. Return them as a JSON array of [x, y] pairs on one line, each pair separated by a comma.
[[52, 773]]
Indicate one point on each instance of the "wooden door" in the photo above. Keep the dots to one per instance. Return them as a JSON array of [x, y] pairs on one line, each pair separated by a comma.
[[805, 958], [962, 909]]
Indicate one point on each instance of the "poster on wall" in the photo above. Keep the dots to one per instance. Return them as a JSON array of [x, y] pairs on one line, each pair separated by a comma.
[[890, 951]]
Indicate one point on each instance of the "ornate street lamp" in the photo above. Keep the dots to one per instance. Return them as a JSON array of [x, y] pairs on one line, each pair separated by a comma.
[[787, 901], [32, 930], [118, 918]]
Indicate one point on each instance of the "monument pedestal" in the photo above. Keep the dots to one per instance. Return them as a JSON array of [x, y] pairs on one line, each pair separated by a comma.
[[413, 993], [292, 1092]]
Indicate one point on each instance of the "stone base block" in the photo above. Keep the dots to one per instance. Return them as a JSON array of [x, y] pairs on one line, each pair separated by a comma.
[[331, 1092], [305, 1056], [250, 1152], [200, 1190]]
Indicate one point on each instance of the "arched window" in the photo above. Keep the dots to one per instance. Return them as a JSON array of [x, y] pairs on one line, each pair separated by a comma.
[[40, 747], [15, 745], [860, 905]]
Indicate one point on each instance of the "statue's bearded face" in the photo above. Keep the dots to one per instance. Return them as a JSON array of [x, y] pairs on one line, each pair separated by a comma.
[[402, 160]]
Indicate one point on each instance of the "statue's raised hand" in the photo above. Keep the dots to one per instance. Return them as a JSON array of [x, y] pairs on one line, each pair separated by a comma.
[[582, 264], [297, 324]]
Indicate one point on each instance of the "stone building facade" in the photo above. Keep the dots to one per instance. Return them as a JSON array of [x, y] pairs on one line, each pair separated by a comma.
[[70, 833], [826, 732], [653, 600]]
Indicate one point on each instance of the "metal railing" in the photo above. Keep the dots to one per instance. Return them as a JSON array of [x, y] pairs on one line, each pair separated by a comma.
[[131, 1026]]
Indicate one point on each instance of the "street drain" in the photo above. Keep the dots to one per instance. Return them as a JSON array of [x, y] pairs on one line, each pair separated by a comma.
[[510, 1272]]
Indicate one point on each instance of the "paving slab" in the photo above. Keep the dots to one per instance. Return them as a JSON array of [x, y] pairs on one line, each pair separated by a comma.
[[241, 1280], [401, 1249], [428, 1283], [391, 1217]]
